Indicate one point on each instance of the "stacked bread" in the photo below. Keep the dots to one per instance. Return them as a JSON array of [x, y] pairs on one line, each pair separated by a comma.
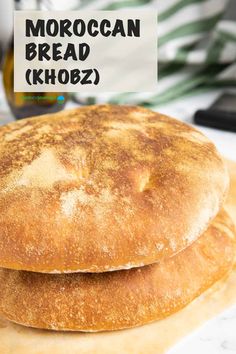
[[110, 217]]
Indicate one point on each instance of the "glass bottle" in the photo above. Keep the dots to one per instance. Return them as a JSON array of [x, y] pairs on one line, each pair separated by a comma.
[[27, 104]]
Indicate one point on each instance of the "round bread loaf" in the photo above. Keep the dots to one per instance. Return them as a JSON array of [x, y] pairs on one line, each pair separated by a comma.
[[120, 299], [103, 188]]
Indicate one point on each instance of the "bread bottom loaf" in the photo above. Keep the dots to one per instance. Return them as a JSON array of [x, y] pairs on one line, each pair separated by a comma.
[[119, 299]]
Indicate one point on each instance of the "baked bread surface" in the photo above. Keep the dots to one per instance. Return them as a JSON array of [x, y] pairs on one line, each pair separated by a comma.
[[119, 299], [102, 188]]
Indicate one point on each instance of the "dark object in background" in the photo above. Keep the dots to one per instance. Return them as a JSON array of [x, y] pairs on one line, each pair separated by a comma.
[[221, 115], [28, 104]]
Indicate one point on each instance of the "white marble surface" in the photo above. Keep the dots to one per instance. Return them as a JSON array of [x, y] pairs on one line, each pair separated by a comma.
[[217, 336]]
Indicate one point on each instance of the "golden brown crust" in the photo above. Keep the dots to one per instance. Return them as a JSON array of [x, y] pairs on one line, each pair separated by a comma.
[[230, 204], [120, 299], [102, 188]]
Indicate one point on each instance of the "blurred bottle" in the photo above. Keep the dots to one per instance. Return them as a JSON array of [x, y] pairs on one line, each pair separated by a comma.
[[27, 104], [6, 23]]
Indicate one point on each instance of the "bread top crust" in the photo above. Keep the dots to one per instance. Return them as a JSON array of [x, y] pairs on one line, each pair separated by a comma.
[[102, 188], [120, 299]]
